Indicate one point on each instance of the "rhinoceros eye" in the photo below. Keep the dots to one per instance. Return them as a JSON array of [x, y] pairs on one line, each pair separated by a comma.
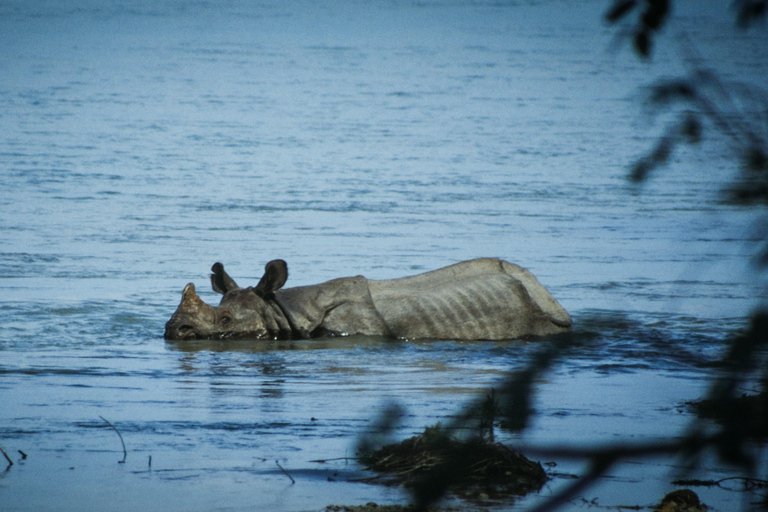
[[225, 320]]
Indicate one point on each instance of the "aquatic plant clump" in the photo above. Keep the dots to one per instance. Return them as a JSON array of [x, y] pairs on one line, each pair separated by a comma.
[[465, 466]]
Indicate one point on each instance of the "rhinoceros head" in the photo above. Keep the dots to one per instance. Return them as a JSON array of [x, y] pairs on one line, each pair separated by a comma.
[[242, 312]]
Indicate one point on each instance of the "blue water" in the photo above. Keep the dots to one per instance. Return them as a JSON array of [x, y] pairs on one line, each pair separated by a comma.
[[141, 141]]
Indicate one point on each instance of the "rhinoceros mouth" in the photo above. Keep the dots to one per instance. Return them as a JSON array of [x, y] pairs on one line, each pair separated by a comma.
[[183, 332], [189, 336], [186, 332]]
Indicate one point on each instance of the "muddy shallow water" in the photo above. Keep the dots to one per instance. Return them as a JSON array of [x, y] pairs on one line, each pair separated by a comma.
[[140, 142]]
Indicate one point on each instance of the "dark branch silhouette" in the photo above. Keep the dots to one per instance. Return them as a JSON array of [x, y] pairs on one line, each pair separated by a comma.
[[738, 114]]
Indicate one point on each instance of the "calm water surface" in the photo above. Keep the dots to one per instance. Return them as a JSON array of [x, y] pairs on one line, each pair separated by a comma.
[[142, 141]]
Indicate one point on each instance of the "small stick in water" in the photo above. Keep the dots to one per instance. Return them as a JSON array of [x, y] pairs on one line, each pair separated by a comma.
[[10, 462], [125, 453], [23, 455], [286, 473]]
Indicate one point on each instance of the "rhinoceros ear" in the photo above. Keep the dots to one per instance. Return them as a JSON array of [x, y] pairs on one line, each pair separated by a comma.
[[220, 280], [275, 276]]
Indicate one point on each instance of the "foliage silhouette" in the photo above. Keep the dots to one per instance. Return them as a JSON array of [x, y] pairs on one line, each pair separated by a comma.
[[739, 114]]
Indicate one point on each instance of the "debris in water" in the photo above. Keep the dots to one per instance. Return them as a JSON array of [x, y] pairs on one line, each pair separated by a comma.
[[474, 468], [286, 473], [125, 453], [10, 462], [682, 500]]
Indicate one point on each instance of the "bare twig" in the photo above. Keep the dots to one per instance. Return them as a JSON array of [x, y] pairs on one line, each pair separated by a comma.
[[365, 480], [323, 461], [603, 458], [286, 473], [747, 482], [10, 462], [125, 453]]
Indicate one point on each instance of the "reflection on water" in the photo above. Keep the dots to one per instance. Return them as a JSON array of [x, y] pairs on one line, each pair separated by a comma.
[[270, 346]]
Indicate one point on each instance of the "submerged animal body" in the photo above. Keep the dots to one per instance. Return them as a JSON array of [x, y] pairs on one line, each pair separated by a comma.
[[485, 298]]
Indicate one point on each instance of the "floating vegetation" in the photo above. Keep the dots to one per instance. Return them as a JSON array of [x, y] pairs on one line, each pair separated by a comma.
[[473, 468], [682, 500]]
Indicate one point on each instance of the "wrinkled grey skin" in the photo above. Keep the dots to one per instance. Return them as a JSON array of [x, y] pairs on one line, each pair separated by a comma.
[[484, 298]]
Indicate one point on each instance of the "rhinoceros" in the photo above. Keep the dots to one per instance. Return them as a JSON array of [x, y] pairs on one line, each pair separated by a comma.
[[488, 299]]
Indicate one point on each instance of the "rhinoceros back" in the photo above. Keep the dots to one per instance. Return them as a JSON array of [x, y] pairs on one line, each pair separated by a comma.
[[478, 299], [341, 306]]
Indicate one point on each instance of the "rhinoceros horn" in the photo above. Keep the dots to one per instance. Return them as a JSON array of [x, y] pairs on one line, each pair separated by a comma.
[[190, 300]]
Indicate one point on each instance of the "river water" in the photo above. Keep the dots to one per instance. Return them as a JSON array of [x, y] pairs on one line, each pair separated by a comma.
[[141, 141]]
